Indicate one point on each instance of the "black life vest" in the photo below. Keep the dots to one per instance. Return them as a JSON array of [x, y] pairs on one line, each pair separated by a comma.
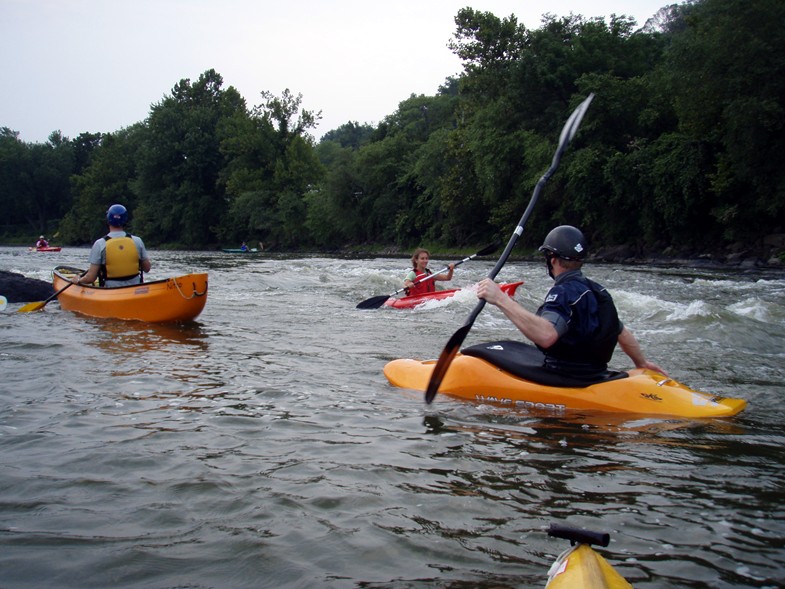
[[593, 352]]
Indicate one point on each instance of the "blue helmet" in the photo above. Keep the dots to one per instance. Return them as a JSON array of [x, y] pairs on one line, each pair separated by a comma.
[[117, 216]]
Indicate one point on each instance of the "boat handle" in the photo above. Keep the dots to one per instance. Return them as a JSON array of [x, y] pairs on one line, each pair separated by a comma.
[[663, 381], [579, 536]]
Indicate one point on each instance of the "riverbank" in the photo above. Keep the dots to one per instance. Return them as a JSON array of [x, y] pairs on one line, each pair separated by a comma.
[[734, 257], [769, 254]]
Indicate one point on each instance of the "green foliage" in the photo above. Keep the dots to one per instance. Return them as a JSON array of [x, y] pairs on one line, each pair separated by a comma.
[[106, 180], [271, 167], [682, 145], [34, 181], [179, 166], [737, 51], [350, 134]]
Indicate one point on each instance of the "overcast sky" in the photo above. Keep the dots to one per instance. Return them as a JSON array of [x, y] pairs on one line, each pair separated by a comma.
[[98, 65]]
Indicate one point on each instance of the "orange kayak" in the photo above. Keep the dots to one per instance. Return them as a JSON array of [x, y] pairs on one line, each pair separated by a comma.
[[181, 298], [413, 301], [507, 373]]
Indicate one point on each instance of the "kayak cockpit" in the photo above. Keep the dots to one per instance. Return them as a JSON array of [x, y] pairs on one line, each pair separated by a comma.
[[527, 362]]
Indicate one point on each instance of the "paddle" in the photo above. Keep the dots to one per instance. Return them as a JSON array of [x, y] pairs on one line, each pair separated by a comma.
[[41, 304], [378, 301], [451, 349]]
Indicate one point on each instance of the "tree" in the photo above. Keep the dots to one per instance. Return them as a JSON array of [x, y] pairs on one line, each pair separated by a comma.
[[737, 111], [267, 185], [107, 179], [351, 134], [181, 200]]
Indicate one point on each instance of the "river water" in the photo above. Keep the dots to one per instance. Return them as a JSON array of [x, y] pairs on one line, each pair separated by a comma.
[[261, 445]]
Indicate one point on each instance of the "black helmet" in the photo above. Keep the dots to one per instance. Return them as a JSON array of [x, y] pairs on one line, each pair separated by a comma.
[[566, 242]]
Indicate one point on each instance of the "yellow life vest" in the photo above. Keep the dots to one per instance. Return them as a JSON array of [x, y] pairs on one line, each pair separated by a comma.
[[122, 258]]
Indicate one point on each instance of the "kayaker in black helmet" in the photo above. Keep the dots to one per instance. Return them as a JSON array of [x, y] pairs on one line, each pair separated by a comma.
[[577, 327], [118, 258]]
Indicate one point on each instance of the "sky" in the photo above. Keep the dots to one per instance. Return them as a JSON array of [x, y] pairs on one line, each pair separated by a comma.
[[99, 65]]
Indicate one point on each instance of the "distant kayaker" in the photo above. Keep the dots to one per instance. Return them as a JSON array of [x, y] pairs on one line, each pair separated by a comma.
[[577, 327], [118, 258], [243, 247], [41, 242], [420, 271]]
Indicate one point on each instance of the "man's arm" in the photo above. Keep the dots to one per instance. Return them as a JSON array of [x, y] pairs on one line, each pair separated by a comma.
[[535, 328], [89, 277], [632, 348]]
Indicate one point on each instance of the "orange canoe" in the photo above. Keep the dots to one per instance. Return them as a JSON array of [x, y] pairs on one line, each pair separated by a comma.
[[181, 298]]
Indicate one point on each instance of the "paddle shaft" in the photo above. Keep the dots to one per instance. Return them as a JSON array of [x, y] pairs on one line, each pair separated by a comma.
[[454, 343], [510, 244], [38, 306]]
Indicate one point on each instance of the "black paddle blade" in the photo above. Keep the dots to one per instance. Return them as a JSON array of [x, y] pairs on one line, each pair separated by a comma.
[[445, 359], [373, 302]]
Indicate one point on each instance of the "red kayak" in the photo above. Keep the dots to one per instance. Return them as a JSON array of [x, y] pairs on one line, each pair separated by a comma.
[[415, 300], [45, 249]]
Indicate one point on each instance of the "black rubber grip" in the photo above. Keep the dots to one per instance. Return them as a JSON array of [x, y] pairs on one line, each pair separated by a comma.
[[580, 536]]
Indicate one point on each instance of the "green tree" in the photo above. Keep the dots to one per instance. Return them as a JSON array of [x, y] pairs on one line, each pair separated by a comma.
[[35, 178], [106, 180], [736, 49], [267, 186], [13, 163], [351, 134], [181, 198]]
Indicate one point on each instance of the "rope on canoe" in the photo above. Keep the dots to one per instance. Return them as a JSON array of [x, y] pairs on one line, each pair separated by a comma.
[[195, 293]]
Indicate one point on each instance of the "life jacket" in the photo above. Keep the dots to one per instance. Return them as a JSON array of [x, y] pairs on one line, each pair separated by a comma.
[[122, 259], [422, 287], [593, 351]]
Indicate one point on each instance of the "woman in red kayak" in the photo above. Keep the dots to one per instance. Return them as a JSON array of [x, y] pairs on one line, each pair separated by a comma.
[[41, 242], [420, 271]]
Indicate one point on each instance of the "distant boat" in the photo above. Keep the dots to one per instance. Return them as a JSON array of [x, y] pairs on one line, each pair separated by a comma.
[[47, 248], [238, 250]]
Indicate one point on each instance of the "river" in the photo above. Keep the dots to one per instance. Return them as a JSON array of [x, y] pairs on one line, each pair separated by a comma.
[[261, 446]]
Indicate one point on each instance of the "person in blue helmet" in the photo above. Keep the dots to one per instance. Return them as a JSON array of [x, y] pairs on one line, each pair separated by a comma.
[[577, 327], [118, 258]]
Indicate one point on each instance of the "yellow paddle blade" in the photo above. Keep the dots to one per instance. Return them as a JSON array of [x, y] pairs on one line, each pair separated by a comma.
[[32, 307]]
